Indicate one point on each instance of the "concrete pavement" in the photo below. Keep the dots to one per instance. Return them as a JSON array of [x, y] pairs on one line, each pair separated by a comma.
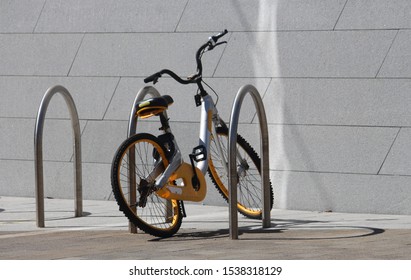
[[102, 233]]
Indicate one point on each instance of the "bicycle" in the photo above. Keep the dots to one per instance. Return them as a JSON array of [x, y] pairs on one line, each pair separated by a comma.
[[152, 168]]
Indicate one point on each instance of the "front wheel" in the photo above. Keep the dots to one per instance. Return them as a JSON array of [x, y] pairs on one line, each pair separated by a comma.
[[249, 174], [138, 162]]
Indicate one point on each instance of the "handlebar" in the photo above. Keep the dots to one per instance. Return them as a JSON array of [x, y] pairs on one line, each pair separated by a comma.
[[154, 78], [209, 45], [213, 39]]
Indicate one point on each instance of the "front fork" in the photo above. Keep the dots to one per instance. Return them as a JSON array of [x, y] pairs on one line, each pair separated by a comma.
[[219, 122], [242, 165]]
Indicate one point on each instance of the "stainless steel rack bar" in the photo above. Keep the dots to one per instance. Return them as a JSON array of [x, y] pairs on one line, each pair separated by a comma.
[[38, 152], [132, 128], [232, 154]]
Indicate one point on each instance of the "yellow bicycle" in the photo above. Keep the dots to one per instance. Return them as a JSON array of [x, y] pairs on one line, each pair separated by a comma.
[[149, 178]]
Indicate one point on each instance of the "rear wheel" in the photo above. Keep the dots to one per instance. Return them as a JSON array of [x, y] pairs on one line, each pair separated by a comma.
[[145, 209], [249, 192]]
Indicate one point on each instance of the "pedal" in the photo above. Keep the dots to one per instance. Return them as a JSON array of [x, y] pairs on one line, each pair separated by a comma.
[[183, 209], [143, 190], [199, 153], [194, 180]]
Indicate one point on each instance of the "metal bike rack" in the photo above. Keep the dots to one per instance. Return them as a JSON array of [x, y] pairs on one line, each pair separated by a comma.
[[132, 128], [132, 123], [232, 154], [38, 152]]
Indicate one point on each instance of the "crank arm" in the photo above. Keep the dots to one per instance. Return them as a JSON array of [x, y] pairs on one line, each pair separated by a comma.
[[171, 168]]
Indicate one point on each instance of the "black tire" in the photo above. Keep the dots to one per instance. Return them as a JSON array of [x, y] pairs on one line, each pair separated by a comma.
[[157, 216], [249, 183]]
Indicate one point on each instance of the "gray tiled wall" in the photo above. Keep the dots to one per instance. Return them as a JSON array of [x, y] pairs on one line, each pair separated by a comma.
[[306, 54], [335, 77]]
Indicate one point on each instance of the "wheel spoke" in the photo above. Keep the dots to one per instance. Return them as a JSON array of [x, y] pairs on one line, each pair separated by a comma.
[[250, 182], [154, 217]]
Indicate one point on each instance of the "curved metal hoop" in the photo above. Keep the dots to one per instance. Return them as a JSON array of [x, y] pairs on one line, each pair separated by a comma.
[[232, 154], [38, 152], [132, 123], [132, 128]]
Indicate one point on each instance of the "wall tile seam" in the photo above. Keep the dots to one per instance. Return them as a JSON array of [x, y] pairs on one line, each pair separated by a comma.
[[181, 16], [75, 56], [389, 150], [55, 161], [211, 31], [255, 119], [32, 160], [334, 125], [338, 173], [241, 122], [57, 119], [209, 77], [326, 78], [340, 14], [17, 159], [230, 35], [304, 77], [205, 32], [370, 77], [255, 123], [373, 29], [39, 16], [386, 55], [87, 120], [217, 77], [391, 175], [81, 137], [318, 172], [111, 99], [117, 32]]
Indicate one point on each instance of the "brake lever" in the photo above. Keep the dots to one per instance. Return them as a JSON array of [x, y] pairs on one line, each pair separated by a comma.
[[212, 46]]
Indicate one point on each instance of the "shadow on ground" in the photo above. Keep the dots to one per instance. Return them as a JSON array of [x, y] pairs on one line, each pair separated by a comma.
[[295, 227]]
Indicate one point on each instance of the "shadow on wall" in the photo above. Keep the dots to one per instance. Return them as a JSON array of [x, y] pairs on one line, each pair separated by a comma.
[[267, 52], [288, 140]]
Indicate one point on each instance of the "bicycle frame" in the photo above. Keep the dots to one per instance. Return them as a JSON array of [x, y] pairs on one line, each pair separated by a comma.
[[178, 169], [208, 122], [192, 175], [159, 183]]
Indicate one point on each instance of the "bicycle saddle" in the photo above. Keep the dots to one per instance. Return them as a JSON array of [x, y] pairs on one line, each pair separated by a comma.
[[153, 106]]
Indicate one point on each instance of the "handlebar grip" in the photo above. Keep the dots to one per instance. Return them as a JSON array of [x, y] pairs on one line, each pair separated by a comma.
[[222, 33], [152, 78], [219, 35]]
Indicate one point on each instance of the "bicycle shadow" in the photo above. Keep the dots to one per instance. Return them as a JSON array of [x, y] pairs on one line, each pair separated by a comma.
[[293, 229]]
